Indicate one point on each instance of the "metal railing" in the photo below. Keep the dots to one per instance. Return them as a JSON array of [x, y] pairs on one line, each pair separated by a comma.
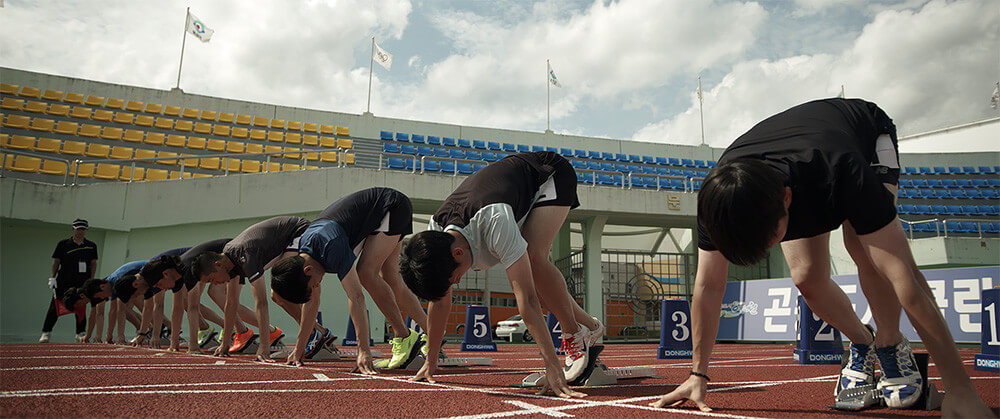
[[941, 226], [3, 164]]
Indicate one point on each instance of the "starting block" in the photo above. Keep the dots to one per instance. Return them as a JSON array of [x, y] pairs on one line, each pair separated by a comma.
[[595, 374], [989, 357], [868, 396], [254, 344], [328, 352], [211, 343], [817, 341]]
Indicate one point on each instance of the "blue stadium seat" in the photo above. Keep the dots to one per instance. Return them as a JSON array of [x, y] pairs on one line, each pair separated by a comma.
[[968, 209], [919, 183], [417, 139], [566, 152], [447, 167], [433, 140], [477, 167], [673, 161], [922, 210], [648, 160], [905, 184], [991, 227], [700, 164], [952, 209], [908, 170], [953, 227], [939, 194], [409, 163], [905, 193], [607, 156], [465, 168], [593, 165], [456, 154], [386, 135], [390, 148], [675, 172], [402, 136], [473, 155], [653, 182], [578, 164], [933, 183], [634, 169], [594, 154], [907, 209], [698, 173], [610, 167], [424, 151], [993, 183], [711, 163], [431, 166], [535, 148], [940, 170], [956, 194], [954, 170], [646, 170], [676, 184], [939, 210], [969, 170], [448, 141], [490, 157], [521, 148], [688, 173], [906, 227], [993, 210], [580, 154], [978, 183], [973, 194], [926, 170], [621, 167], [480, 144], [687, 162], [585, 177], [981, 209], [551, 149], [493, 145], [441, 152], [696, 185], [634, 158], [605, 179], [661, 160], [464, 143], [621, 157], [988, 194], [662, 171], [948, 183], [395, 163], [509, 147], [969, 226], [407, 149], [986, 170]]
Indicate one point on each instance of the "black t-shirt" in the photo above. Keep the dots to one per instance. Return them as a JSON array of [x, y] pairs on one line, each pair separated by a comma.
[[172, 252], [188, 279], [824, 150], [252, 249], [361, 213], [74, 259]]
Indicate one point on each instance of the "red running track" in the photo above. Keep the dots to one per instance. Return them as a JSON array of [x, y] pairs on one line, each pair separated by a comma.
[[104, 380]]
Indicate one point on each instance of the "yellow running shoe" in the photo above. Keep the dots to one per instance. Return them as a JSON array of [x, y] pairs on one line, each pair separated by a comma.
[[403, 350], [382, 363], [423, 344]]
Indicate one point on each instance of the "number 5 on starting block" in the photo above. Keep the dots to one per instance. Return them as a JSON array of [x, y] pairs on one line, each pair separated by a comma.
[[675, 330], [477, 330], [989, 359]]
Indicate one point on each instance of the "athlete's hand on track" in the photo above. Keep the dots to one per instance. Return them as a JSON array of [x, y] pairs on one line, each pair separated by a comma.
[[108, 339], [295, 357], [426, 373], [154, 342], [222, 350], [138, 340], [365, 364], [194, 350], [264, 354], [694, 389], [173, 348], [555, 380]]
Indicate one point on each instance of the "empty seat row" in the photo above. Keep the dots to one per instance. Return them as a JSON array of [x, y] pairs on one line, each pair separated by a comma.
[[939, 227], [948, 194], [110, 171], [952, 170], [949, 183], [433, 166], [968, 210]]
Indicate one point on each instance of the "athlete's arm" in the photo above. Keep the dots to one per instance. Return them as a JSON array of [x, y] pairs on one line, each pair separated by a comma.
[[437, 320]]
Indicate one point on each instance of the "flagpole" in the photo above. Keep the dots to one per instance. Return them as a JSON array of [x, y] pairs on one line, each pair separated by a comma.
[[371, 60], [701, 111], [547, 66], [183, 42]]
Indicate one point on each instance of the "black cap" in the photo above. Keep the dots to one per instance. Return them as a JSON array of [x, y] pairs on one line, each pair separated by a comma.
[[80, 223]]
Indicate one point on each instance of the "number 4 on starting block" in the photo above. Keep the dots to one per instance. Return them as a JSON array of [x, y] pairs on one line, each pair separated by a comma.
[[989, 359], [477, 330], [675, 330]]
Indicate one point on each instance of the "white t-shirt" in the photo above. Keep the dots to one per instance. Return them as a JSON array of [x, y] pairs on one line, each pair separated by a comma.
[[494, 236]]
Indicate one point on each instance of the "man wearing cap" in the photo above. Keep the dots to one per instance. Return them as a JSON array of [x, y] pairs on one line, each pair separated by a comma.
[[73, 261]]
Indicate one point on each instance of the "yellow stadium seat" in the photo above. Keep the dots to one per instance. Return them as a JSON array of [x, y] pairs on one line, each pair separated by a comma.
[[183, 125], [4, 140], [208, 115], [310, 127], [80, 112], [272, 149], [292, 155], [133, 136], [48, 145], [124, 118], [134, 106], [312, 156], [75, 148], [293, 138], [30, 92], [175, 140], [273, 166], [114, 103], [12, 104], [58, 109], [166, 154], [141, 153], [310, 139], [348, 158], [21, 142], [73, 98], [153, 108], [226, 117], [111, 133], [7, 160], [190, 113], [260, 121], [197, 175], [254, 148], [121, 152], [98, 150], [17, 121], [94, 101], [235, 147], [85, 169], [55, 95], [328, 156], [328, 142], [156, 174], [42, 124], [178, 175], [310, 167], [8, 89], [220, 130], [294, 126], [231, 165], [107, 171], [250, 166], [27, 164], [127, 174], [244, 119], [258, 134], [344, 143], [154, 138], [53, 167], [172, 110], [36, 107], [164, 123], [289, 166], [211, 163], [327, 129], [216, 145], [145, 120], [187, 162], [66, 127], [103, 115], [197, 143], [276, 136], [239, 132], [277, 123], [345, 131]]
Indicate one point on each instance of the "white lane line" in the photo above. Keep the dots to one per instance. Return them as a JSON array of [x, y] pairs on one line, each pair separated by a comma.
[[321, 377], [220, 362], [246, 390], [225, 383], [538, 409], [131, 367], [159, 354]]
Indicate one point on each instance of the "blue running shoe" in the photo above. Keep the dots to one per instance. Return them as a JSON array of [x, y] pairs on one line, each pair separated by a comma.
[[314, 343], [328, 338], [859, 369], [901, 383]]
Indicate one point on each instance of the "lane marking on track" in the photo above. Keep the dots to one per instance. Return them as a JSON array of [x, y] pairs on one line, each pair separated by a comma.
[[74, 357], [246, 390], [321, 377], [220, 362], [40, 392], [538, 409], [132, 367], [159, 354]]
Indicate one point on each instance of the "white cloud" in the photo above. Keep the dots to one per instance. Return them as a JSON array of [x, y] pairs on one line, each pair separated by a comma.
[[927, 68]]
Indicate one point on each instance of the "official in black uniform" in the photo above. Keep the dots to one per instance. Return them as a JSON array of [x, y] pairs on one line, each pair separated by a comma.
[[73, 261]]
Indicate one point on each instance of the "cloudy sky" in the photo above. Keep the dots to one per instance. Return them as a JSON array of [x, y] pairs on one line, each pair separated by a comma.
[[629, 68]]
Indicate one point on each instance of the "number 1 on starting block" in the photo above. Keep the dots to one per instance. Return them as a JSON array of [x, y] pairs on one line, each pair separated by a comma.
[[989, 359], [675, 330]]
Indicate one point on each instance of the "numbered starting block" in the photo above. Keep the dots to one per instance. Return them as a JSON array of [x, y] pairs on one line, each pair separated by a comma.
[[868, 396], [595, 374], [675, 330], [477, 330], [818, 342], [989, 358]]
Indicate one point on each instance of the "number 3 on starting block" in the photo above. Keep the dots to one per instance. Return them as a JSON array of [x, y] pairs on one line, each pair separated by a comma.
[[989, 359], [675, 330], [477, 330]]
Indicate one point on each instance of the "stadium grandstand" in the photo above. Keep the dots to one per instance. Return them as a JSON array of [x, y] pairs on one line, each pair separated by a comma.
[[153, 169]]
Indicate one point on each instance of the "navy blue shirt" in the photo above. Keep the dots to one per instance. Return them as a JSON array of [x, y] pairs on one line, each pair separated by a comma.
[[328, 243]]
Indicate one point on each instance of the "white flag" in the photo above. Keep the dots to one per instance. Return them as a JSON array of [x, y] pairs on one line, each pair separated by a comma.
[[197, 28], [382, 57], [995, 100], [552, 75]]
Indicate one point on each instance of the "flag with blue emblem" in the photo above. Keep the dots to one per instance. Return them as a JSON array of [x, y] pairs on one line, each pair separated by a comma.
[[197, 28], [552, 76]]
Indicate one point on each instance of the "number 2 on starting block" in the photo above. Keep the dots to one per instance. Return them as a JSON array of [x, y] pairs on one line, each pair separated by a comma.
[[818, 342], [675, 330], [989, 359]]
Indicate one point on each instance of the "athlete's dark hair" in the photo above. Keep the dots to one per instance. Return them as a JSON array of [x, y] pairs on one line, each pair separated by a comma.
[[739, 205], [202, 264], [91, 287], [426, 264], [124, 288], [288, 280], [71, 297], [153, 270]]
